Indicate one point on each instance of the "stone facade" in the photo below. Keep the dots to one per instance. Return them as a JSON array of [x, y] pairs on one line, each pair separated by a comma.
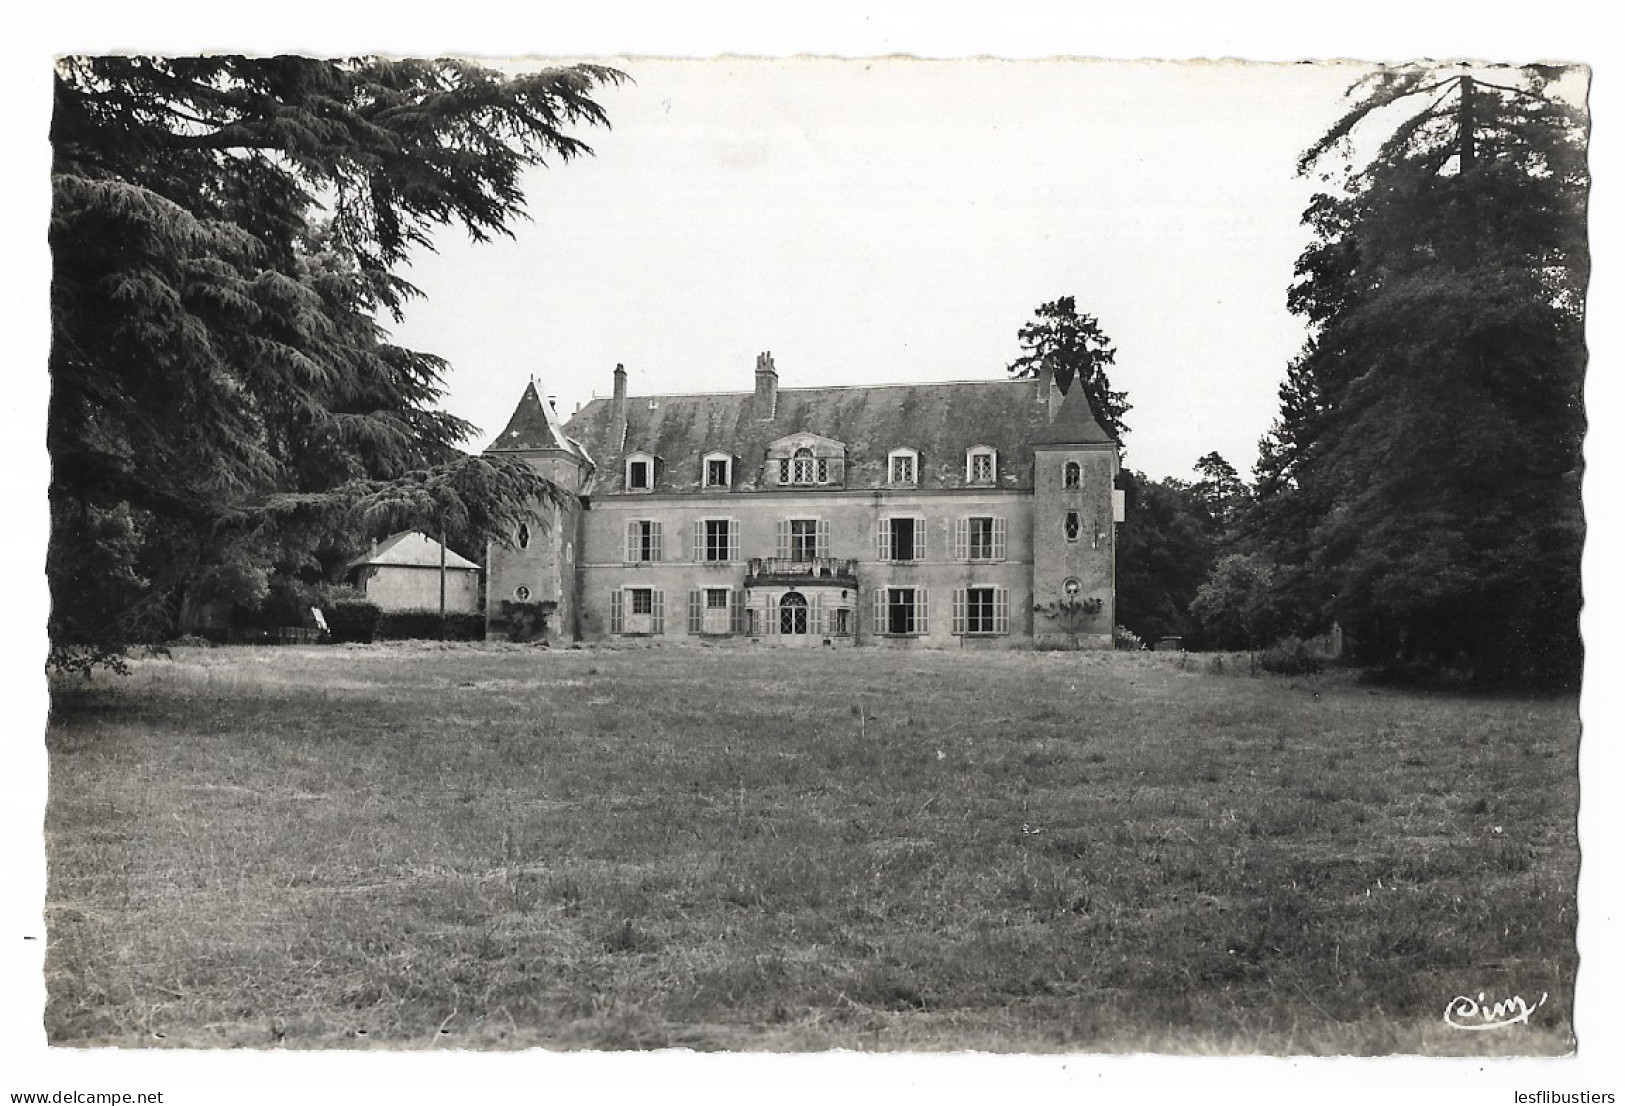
[[965, 515]]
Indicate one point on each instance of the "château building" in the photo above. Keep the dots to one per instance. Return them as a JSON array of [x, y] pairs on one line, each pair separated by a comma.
[[967, 514]]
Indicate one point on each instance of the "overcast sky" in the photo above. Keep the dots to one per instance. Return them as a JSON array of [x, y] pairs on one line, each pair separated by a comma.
[[889, 221]]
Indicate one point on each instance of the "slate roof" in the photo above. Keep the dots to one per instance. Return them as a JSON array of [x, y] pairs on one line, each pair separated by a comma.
[[534, 425], [941, 421], [411, 549]]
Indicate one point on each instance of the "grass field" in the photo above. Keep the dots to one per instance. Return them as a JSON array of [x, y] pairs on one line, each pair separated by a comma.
[[500, 846]]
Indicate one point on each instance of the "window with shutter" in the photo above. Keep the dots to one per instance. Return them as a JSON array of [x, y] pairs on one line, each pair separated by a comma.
[[784, 539], [883, 539], [733, 539], [919, 539], [642, 541], [981, 538], [715, 539], [959, 611], [821, 540], [716, 618], [904, 532], [961, 539], [1001, 610], [696, 623], [657, 617], [617, 618], [737, 619]]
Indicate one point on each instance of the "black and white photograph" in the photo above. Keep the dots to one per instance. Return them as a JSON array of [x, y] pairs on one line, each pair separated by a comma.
[[830, 568]]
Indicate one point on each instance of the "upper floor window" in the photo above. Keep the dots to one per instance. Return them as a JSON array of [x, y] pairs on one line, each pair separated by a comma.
[[904, 467], [981, 465], [640, 472], [642, 541], [718, 470], [716, 540], [979, 538], [524, 536], [1074, 525], [803, 539], [1072, 475], [900, 539]]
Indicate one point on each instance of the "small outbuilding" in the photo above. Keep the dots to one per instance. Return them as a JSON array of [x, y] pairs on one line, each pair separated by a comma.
[[402, 573]]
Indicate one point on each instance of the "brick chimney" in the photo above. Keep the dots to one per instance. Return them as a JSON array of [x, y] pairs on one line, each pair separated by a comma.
[[767, 387], [617, 406]]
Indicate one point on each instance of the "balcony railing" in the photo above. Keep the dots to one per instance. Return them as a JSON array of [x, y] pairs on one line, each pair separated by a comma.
[[802, 570]]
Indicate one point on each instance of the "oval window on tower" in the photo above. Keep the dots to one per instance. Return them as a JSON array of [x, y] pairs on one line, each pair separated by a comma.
[[524, 536], [522, 593]]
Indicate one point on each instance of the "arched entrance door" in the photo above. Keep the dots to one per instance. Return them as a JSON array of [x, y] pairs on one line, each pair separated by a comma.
[[793, 615]]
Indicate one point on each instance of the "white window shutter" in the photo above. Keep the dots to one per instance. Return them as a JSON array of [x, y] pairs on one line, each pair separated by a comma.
[[883, 539], [961, 539], [657, 623], [919, 539], [696, 608], [998, 538], [959, 610], [815, 616], [1001, 610], [821, 540], [733, 539], [699, 541], [880, 611], [736, 611], [920, 609], [632, 550], [654, 542], [784, 539], [617, 611]]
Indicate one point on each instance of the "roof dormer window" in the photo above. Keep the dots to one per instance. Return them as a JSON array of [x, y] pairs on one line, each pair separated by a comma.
[[981, 465], [719, 470], [903, 467], [801, 467], [640, 472]]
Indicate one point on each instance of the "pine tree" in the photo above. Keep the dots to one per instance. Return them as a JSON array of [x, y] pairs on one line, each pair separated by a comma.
[[225, 233], [1422, 482], [1074, 348]]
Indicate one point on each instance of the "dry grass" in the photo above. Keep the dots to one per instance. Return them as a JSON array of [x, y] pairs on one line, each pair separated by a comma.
[[498, 846]]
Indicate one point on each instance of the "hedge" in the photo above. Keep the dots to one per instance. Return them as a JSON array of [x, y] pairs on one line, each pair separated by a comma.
[[460, 626]]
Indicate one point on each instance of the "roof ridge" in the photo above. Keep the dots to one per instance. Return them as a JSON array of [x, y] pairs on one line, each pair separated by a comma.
[[820, 388]]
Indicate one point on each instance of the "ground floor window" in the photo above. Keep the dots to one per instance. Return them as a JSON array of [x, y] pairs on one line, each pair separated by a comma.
[[637, 611], [900, 611], [716, 611], [982, 610]]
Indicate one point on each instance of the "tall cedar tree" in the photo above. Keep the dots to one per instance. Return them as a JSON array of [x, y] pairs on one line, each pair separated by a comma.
[[1422, 483], [1073, 346], [225, 232]]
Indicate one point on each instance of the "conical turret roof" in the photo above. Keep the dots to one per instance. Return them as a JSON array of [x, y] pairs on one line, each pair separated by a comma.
[[1075, 423], [534, 425]]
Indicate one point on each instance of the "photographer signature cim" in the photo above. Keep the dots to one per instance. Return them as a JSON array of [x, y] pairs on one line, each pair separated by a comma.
[[1466, 1012]]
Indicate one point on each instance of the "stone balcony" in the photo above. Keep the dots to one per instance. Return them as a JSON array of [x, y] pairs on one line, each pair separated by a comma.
[[801, 571]]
